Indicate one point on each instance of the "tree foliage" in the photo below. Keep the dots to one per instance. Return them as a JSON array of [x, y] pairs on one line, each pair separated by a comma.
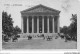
[[17, 30], [73, 25], [72, 29], [8, 31], [7, 24], [64, 30]]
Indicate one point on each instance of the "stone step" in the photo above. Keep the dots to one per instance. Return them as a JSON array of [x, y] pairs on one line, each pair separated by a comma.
[[24, 35]]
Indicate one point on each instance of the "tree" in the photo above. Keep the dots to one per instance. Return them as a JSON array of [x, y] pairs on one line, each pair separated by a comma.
[[17, 30], [72, 29], [64, 30], [73, 26], [7, 24]]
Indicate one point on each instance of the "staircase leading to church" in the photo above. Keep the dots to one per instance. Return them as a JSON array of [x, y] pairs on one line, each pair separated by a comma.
[[24, 35]]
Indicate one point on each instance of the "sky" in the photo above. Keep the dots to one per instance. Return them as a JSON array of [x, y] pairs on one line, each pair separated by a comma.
[[67, 8]]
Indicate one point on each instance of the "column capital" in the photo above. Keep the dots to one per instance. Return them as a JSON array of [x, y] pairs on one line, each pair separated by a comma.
[[52, 16], [23, 16], [32, 16], [42, 15], [58, 16]]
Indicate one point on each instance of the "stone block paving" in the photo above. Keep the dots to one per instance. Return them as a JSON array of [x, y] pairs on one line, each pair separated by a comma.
[[39, 43]]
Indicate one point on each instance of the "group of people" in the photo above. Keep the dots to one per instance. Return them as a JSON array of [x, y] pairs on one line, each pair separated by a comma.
[[64, 36], [45, 37], [49, 37], [41, 36]]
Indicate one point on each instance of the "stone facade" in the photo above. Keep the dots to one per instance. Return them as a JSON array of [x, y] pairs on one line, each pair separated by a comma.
[[40, 20]]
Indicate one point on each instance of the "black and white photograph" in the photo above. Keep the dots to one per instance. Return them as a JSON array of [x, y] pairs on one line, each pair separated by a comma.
[[39, 24]]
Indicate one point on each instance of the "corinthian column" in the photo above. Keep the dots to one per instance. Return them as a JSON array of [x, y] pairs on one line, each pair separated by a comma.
[[32, 24], [48, 24], [37, 24], [22, 24], [42, 24], [27, 25], [58, 29], [53, 24]]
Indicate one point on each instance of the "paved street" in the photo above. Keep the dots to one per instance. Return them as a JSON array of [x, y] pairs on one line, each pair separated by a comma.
[[39, 43]]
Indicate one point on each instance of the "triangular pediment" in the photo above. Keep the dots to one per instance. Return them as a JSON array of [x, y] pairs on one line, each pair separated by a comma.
[[40, 8]]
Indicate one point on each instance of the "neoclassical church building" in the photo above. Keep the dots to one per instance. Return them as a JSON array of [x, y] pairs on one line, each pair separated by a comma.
[[40, 19]]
